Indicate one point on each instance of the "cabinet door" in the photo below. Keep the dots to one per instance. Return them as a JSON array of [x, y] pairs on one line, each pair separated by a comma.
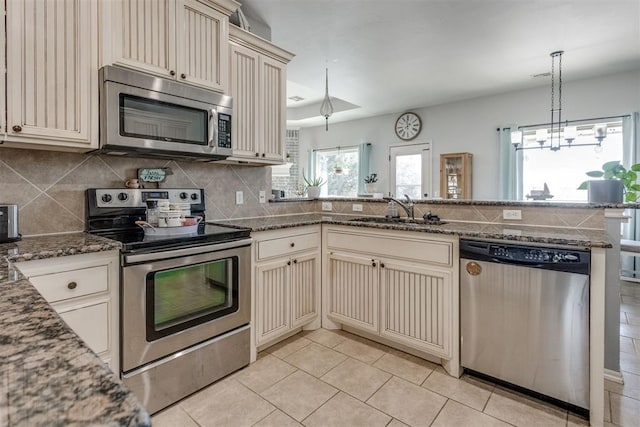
[[91, 323], [141, 34], [272, 109], [244, 90], [272, 300], [202, 35], [416, 306], [305, 289], [353, 290], [52, 71]]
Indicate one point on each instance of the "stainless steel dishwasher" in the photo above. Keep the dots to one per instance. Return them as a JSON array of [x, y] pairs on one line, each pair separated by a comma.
[[524, 315]]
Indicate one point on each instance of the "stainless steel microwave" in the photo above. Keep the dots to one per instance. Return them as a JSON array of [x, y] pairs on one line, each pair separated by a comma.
[[146, 115]]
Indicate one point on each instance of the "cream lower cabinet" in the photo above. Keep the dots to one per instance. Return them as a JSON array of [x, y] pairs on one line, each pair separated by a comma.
[[287, 281], [400, 286], [83, 290], [258, 75], [51, 75]]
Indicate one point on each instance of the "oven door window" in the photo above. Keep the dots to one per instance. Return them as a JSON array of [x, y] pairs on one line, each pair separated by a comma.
[[183, 297], [161, 121]]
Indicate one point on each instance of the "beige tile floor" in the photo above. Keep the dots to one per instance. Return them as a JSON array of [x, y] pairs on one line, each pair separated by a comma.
[[333, 378]]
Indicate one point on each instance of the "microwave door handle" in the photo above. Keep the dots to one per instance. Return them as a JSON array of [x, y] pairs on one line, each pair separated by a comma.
[[213, 127]]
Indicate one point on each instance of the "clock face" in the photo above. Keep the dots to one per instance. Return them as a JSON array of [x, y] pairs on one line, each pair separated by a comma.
[[408, 126]]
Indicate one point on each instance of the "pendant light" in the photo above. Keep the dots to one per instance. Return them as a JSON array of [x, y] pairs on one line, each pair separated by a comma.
[[552, 135], [326, 109]]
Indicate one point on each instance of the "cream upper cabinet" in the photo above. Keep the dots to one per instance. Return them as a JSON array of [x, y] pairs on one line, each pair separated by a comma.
[[186, 40], [258, 76], [52, 74]]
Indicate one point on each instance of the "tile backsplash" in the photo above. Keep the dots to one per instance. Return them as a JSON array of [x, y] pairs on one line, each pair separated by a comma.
[[49, 187]]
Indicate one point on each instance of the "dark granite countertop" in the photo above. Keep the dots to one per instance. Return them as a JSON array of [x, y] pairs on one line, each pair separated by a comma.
[[49, 376], [487, 231]]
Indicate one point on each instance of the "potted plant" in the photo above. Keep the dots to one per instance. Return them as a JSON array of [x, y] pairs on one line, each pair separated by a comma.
[[313, 186], [617, 181], [370, 183]]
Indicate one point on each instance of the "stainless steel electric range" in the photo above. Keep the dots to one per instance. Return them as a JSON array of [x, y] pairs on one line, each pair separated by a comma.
[[185, 300]]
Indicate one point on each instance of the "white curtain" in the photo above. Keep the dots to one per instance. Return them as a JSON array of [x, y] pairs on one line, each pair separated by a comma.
[[631, 144]]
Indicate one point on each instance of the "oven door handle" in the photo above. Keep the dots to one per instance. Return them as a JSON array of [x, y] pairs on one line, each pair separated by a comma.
[[175, 253]]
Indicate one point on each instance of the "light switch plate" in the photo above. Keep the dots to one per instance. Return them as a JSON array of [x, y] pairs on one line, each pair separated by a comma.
[[327, 206], [515, 214], [239, 198], [356, 207], [262, 196]]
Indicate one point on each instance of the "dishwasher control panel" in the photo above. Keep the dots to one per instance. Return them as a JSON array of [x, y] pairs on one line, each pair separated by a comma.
[[559, 259], [533, 254]]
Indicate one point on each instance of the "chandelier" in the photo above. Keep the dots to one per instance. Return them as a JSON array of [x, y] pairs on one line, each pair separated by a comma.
[[326, 109], [554, 135]]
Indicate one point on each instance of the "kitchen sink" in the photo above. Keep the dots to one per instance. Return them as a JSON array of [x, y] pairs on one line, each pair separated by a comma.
[[404, 220]]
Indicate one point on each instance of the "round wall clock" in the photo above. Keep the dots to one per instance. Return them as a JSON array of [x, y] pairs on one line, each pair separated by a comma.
[[408, 126]]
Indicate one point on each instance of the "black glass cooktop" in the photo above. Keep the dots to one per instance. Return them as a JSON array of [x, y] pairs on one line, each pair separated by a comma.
[[135, 240]]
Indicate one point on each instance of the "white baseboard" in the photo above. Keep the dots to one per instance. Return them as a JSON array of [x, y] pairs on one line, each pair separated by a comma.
[[614, 376]]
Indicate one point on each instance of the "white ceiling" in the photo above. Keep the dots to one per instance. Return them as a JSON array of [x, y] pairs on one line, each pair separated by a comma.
[[388, 56]]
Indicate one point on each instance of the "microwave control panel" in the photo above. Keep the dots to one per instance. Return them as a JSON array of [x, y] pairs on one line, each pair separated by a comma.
[[224, 130]]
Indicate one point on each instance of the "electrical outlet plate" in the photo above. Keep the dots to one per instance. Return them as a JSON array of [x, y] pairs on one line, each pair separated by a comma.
[[239, 198], [262, 196], [327, 206], [356, 207], [513, 214]]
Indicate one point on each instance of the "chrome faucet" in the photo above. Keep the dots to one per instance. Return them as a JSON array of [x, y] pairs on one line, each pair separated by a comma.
[[408, 206]]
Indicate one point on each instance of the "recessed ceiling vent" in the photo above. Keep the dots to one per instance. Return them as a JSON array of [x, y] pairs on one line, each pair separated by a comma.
[[296, 98], [541, 75]]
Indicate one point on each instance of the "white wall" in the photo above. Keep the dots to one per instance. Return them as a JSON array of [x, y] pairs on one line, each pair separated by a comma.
[[471, 125]]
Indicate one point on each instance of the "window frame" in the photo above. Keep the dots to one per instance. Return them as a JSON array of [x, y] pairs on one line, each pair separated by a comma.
[[423, 148]]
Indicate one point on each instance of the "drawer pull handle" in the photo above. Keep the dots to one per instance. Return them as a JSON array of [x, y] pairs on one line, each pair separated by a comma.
[[17, 128], [72, 285], [292, 244]]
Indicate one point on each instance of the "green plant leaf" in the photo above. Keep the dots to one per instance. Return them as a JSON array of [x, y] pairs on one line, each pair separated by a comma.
[[595, 174], [610, 165], [635, 168], [635, 187], [582, 186], [631, 196]]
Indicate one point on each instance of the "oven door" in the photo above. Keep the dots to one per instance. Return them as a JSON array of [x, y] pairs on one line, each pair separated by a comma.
[[175, 299], [146, 121]]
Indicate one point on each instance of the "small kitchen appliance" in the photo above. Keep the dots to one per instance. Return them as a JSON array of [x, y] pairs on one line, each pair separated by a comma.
[[9, 223], [185, 299], [146, 115]]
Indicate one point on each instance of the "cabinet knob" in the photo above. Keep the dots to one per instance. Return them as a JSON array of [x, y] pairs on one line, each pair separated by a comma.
[[183, 76], [292, 244], [264, 155], [289, 262], [382, 265], [257, 154], [373, 263], [295, 261], [72, 285], [173, 73], [17, 128]]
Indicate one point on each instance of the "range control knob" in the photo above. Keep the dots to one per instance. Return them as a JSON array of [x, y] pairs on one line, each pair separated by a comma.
[[123, 196], [183, 195], [194, 196], [106, 198]]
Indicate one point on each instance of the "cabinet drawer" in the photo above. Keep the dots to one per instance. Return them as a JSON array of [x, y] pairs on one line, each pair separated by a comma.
[[421, 250], [71, 284], [91, 323], [269, 248]]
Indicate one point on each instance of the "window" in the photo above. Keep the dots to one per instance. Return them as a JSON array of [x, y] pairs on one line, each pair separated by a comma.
[[339, 167], [409, 170], [564, 170]]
